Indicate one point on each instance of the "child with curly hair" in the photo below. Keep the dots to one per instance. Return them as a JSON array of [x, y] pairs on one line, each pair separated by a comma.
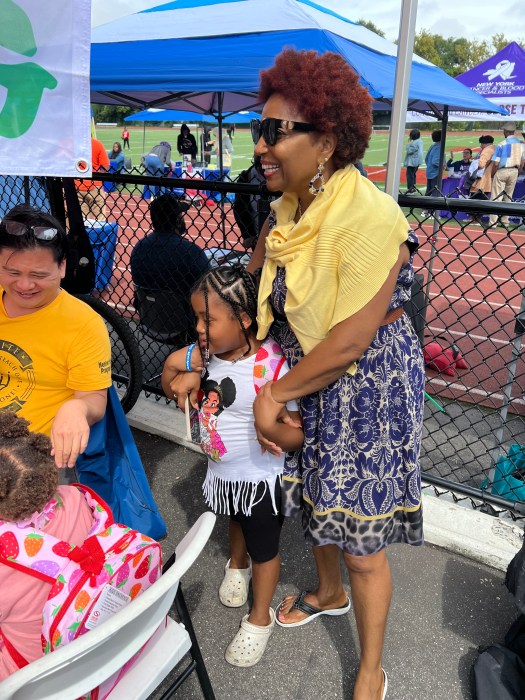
[[31, 498]]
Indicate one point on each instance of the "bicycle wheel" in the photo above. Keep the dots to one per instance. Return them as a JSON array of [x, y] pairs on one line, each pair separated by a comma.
[[126, 361]]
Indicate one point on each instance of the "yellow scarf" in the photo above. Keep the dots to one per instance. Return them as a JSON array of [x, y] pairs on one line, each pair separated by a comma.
[[337, 256]]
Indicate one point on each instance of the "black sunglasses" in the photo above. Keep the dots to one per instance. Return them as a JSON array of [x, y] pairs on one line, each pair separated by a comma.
[[42, 233], [269, 129]]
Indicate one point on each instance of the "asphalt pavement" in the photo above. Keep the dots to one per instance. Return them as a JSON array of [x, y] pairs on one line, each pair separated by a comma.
[[443, 609]]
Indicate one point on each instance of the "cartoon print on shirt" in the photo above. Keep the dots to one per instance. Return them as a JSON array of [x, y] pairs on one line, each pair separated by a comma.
[[216, 397]]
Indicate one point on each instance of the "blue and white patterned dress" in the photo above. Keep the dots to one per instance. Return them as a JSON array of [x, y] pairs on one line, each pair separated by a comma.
[[357, 478]]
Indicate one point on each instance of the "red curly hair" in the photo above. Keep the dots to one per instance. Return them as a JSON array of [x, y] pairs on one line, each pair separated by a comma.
[[336, 104]]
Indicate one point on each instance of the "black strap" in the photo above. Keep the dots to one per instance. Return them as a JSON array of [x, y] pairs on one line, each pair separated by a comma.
[[80, 267], [74, 212]]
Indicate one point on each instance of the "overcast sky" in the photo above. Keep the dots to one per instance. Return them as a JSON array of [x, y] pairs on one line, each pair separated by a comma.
[[474, 19]]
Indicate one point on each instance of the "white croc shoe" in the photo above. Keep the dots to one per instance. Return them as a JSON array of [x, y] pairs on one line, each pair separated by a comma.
[[233, 591], [248, 646]]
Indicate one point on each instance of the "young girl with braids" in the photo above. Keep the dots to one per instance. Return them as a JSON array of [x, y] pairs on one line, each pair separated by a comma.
[[242, 481], [30, 497]]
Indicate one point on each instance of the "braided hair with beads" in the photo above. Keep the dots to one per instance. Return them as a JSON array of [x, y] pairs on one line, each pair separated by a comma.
[[237, 288]]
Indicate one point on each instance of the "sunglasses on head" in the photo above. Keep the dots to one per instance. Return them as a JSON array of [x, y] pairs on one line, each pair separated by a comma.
[[270, 128], [42, 233]]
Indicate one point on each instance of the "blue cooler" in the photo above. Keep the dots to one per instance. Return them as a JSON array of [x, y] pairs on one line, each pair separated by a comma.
[[214, 176], [103, 239], [177, 171]]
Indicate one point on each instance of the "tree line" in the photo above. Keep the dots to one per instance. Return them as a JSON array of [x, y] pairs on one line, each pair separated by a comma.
[[454, 55]]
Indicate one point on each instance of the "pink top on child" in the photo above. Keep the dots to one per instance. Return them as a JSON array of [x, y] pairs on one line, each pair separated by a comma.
[[23, 597]]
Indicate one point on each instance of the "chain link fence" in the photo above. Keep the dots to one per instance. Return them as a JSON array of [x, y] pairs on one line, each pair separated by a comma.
[[468, 305]]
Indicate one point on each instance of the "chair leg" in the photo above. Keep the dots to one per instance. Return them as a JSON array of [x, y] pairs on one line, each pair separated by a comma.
[[170, 692], [195, 651]]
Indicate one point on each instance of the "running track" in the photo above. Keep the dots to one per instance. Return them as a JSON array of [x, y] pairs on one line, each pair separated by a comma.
[[474, 296]]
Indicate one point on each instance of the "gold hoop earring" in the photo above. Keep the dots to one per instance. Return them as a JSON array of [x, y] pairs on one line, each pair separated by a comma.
[[312, 187]]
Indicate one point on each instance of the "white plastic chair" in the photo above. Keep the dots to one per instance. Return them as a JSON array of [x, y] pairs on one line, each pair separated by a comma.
[[85, 663]]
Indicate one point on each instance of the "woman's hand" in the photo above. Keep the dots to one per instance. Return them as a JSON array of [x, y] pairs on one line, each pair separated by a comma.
[[266, 409], [268, 413]]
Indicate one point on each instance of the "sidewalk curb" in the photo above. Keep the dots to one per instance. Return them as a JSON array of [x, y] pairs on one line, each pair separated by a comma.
[[459, 529], [463, 530], [160, 418]]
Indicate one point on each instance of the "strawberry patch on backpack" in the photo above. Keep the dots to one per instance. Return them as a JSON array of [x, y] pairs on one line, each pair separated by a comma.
[[113, 555]]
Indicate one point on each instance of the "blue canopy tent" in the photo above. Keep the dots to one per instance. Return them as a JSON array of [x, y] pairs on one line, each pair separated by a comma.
[[206, 55], [167, 115], [180, 115], [163, 57]]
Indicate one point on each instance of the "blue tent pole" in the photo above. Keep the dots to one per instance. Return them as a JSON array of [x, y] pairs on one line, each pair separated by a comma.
[[219, 119]]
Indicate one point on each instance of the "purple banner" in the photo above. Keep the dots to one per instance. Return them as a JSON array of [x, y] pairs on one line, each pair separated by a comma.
[[500, 78]]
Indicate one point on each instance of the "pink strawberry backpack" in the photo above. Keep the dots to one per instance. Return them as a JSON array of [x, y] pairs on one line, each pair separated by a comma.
[[90, 582], [268, 363]]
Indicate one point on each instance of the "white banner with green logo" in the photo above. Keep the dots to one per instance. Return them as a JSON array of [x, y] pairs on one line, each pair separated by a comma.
[[44, 87]]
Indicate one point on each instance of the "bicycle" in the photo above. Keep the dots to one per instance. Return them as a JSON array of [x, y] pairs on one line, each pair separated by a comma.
[[126, 360]]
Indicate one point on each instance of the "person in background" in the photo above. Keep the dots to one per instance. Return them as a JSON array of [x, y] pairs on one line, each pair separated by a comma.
[[432, 163], [459, 167], [207, 142], [158, 163], [116, 156], [165, 259], [507, 162], [56, 350], [359, 165], [481, 174], [251, 210], [413, 159], [125, 137], [477, 181], [227, 147], [90, 192], [186, 144]]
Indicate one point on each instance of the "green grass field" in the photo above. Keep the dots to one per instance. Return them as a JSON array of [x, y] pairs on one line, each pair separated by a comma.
[[141, 141], [375, 157]]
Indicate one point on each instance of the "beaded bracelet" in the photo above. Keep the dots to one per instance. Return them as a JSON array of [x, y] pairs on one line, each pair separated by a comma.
[[189, 352]]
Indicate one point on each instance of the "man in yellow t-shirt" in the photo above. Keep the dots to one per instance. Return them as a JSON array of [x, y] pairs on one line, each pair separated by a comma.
[[55, 353]]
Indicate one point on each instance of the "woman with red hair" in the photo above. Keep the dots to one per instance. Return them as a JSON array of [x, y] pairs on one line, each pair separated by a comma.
[[336, 266], [336, 270]]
